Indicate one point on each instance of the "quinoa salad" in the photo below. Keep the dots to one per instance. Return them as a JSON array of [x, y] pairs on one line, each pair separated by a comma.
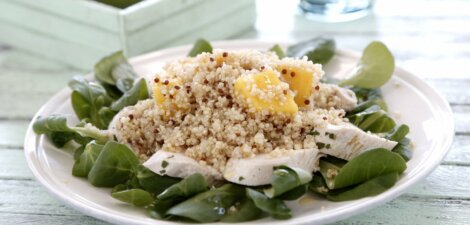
[[252, 127]]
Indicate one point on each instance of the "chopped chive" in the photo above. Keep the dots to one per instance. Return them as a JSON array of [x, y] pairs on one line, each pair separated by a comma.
[[164, 163], [320, 145]]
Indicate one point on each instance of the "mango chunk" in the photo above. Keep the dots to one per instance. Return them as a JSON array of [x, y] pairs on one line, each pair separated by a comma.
[[263, 91], [167, 93], [300, 81]]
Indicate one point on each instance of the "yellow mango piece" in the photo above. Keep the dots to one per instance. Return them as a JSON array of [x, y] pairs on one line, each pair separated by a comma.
[[164, 93], [265, 97], [300, 81]]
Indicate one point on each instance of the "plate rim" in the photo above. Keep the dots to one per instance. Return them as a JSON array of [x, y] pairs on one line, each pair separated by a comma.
[[31, 140]]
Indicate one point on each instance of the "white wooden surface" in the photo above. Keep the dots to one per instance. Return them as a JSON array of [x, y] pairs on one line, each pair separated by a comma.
[[428, 37]]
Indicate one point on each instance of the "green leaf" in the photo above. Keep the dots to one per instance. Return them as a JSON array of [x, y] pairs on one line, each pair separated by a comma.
[[278, 50], [88, 100], [159, 208], [199, 47], [56, 128], [276, 208], [209, 206], [399, 133], [294, 193], [373, 119], [369, 165], [115, 68], [374, 69], [85, 162], [318, 184], [318, 50], [285, 179], [188, 187], [78, 152], [403, 148], [153, 182], [137, 197], [138, 92], [245, 211], [114, 165], [371, 187], [53, 123]]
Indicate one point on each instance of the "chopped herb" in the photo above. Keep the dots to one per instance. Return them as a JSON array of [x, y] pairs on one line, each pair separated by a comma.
[[332, 136], [314, 133], [162, 171], [164, 163], [328, 146], [171, 156], [320, 145], [241, 178]]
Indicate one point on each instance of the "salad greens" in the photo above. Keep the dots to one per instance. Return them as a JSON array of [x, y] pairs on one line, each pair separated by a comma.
[[374, 68], [278, 50], [319, 49], [106, 163], [199, 47]]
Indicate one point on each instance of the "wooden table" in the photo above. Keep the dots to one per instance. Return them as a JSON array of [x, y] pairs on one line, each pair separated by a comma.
[[429, 38]]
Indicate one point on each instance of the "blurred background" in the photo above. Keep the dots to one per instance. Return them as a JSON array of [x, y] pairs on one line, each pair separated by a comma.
[[43, 43]]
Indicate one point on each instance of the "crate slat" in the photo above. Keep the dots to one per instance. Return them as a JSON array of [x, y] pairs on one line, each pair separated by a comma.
[[163, 32], [53, 48], [87, 12], [59, 27]]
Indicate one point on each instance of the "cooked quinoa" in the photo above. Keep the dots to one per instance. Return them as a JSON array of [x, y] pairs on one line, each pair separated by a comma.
[[205, 118]]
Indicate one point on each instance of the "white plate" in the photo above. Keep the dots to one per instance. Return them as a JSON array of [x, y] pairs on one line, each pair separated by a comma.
[[410, 99]]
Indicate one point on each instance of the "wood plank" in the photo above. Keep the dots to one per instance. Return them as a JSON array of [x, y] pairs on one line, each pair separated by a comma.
[[417, 211], [454, 90], [13, 165], [41, 219], [87, 12], [460, 151], [25, 87], [12, 133], [462, 120], [58, 27]]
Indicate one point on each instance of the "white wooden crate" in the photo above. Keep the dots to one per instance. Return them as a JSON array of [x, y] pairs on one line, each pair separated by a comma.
[[79, 32]]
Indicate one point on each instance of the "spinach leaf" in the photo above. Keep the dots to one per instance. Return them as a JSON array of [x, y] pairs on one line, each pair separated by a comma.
[[367, 166], [285, 179], [403, 148], [274, 207], [159, 208], [137, 197], [199, 47], [371, 187], [318, 184], [153, 182], [278, 50], [59, 139], [294, 194], [329, 169], [78, 152], [138, 92], [115, 70], [399, 133], [209, 206], [189, 186], [373, 119], [90, 101], [113, 166], [56, 128], [318, 50], [245, 211], [83, 164], [374, 69]]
